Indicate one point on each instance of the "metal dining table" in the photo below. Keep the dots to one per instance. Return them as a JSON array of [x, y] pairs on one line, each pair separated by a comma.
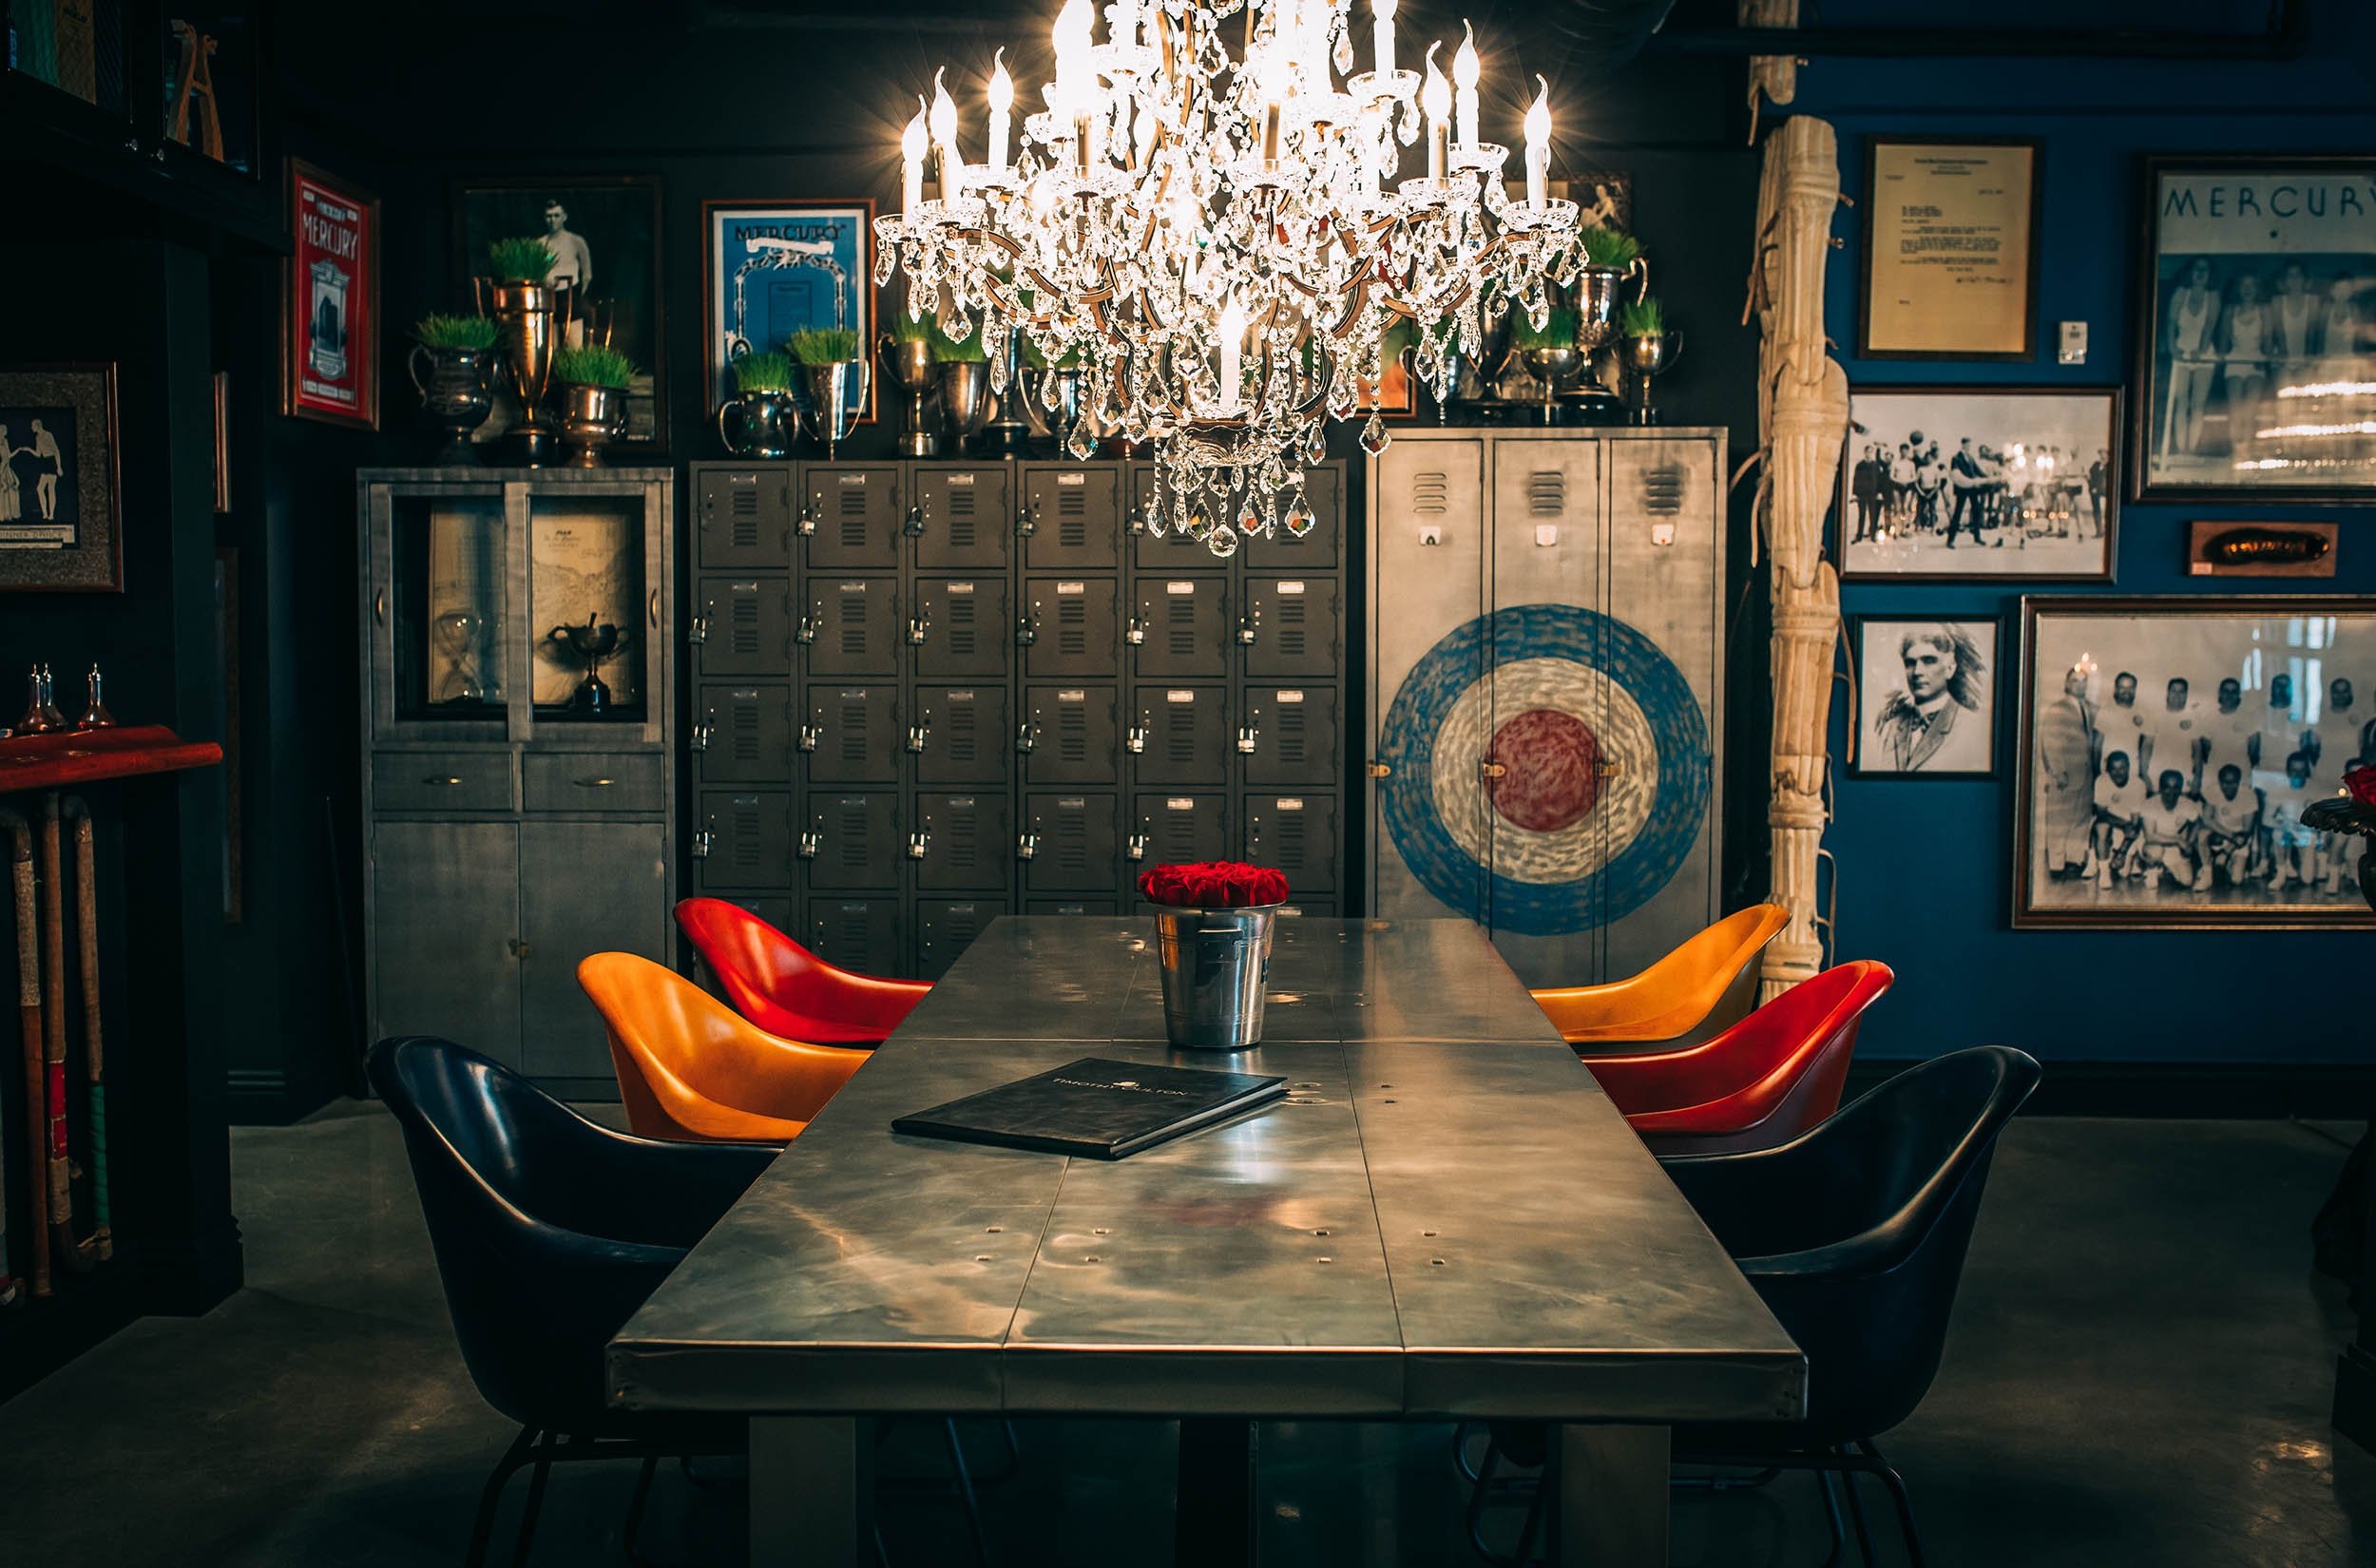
[[1444, 1219]]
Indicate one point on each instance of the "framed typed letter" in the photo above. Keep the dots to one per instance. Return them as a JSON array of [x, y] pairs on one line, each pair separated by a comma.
[[1950, 250], [2256, 330], [2168, 749], [329, 305]]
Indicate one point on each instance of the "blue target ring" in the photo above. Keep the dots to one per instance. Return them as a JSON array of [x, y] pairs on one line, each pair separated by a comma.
[[1578, 636]]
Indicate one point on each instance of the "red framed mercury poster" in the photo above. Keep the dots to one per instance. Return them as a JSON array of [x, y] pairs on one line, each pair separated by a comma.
[[330, 304]]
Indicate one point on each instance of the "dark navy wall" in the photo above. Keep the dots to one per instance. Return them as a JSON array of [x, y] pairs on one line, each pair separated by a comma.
[[1925, 868]]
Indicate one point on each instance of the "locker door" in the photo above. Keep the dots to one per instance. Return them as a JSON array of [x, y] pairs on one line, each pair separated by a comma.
[[1317, 551], [1294, 736], [852, 624], [851, 734], [1071, 735], [1182, 735], [852, 517], [963, 514], [1294, 621], [946, 926], [856, 933], [968, 840], [1072, 627], [853, 840], [1296, 833], [1180, 627], [1172, 829], [743, 735], [1075, 517], [963, 737], [742, 519], [742, 840], [744, 625], [1071, 843], [964, 624]]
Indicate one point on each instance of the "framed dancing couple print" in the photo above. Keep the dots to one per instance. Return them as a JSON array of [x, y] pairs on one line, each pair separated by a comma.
[[2168, 748], [2256, 330], [59, 525]]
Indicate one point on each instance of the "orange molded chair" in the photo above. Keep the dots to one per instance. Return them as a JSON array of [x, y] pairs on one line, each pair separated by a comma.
[[1763, 1081], [688, 1069], [1695, 993], [788, 990]]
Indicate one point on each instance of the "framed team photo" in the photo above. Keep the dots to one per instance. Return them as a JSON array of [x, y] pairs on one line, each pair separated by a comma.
[[1926, 698], [771, 268], [2256, 329], [1980, 484], [2168, 749], [330, 301]]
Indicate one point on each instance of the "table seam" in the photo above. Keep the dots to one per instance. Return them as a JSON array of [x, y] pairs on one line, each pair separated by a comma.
[[1385, 1257]]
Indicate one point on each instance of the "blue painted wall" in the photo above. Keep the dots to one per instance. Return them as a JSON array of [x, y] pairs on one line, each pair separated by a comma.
[[1925, 869]]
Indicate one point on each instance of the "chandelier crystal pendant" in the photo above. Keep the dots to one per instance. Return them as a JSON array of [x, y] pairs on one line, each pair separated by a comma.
[[1215, 246]]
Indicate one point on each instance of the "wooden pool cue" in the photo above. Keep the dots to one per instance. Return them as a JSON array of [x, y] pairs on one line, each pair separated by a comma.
[[28, 1008], [62, 1248], [100, 1243]]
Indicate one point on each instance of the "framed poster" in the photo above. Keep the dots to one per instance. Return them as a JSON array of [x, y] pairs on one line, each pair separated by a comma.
[[2168, 748], [1950, 249], [2256, 330], [770, 268], [1926, 698], [605, 234], [1976, 483], [330, 301], [60, 528]]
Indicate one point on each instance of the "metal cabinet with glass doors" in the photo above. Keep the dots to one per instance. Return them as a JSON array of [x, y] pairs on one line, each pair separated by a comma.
[[518, 767]]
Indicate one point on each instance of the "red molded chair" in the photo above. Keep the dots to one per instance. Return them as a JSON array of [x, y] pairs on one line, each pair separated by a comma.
[[788, 990], [1763, 1081]]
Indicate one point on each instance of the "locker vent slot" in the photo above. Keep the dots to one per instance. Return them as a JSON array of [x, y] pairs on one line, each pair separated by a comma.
[[1072, 626], [1180, 732], [1289, 721], [853, 624], [1072, 732], [854, 731], [1546, 493], [1179, 615], [847, 933], [743, 510], [743, 636], [1289, 848], [963, 744], [1072, 518], [852, 517], [1179, 835], [1662, 491], [964, 840], [1072, 842], [1430, 494], [850, 831], [1290, 626], [960, 626], [742, 719], [744, 824]]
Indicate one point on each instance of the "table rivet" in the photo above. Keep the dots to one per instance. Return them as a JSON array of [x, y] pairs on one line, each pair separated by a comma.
[[1386, 1086], [1427, 1233], [1319, 1233], [981, 1257], [1435, 1262], [1386, 1102], [1091, 1259], [1328, 1260], [993, 1229], [1101, 1230]]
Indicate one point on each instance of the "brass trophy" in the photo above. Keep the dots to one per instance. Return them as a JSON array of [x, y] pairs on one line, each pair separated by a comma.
[[763, 423], [454, 396], [529, 321], [1007, 431], [1597, 290], [965, 400], [589, 645], [1553, 365], [832, 390], [1640, 358], [591, 416], [909, 361]]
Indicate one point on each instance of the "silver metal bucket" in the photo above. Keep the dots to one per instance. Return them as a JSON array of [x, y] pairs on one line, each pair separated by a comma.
[[1214, 963]]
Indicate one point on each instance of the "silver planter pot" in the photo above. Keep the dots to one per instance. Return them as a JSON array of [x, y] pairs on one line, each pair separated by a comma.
[[527, 328], [909, 362], [590, 418], [1214, 963], [454, 396], [760, 424], [964, 398], [830, 389]]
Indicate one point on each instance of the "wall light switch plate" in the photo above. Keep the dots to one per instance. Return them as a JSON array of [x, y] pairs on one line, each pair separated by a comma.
[[1431, 533], [2073, 344], [1547, 534]]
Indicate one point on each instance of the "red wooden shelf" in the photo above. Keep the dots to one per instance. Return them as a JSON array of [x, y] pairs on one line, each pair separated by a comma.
[[86, 756]]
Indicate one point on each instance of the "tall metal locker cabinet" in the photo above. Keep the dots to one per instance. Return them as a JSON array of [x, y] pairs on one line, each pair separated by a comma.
[[1547, 668]]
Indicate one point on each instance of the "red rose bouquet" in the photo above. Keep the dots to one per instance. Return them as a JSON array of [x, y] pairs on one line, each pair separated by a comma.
[[1213, 885]]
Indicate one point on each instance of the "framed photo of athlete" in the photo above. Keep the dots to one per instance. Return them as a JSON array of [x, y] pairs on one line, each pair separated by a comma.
[[330, 301], [2256, 329], [1980, 484], [59, 530], [603, 232], [1926, 698], [2168, 748], [771, 268], [1950, 248]]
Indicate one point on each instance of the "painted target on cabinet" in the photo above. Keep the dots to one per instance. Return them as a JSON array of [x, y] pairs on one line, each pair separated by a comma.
[[1603, 756]]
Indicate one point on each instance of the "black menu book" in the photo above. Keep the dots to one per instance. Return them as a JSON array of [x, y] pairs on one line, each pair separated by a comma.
[[1096, 1107]]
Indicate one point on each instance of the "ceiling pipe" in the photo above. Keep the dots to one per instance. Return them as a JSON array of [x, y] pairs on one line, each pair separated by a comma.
[[2286, 37]]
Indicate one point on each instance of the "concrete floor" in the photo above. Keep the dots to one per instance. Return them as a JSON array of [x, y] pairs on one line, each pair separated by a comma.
[[2138, 1374]]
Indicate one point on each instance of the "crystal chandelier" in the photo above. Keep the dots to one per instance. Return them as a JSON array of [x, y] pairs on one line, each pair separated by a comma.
[[1219, 245]]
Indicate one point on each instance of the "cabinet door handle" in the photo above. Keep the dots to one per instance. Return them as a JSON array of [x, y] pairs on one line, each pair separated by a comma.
[[447, 782], [654, 611], [380, 606], [594, 783]]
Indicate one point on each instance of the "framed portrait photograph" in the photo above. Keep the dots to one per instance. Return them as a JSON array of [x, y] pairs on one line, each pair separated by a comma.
[[1973, 484], [2169, 746], [330, 301], [1950, 248], [2256, 329], [771, 268], [60, 528], [1926, 698], [604, 235]]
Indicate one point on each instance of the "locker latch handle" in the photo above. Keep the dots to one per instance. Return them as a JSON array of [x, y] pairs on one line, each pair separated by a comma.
[[1027, 845], [809, 736], [917, 626], [702, 842], [1492, 770], [1138, 632], [806, 632], [1136, 737], [914, 529], [1380, 769], [917, 733], [808, 518], [916, 843], [1247, 625], [1027, 629], [702, 731], [1137, 849], [1027, 737], [697, 629], [1246, 738], [810, 842], [1026, 524]]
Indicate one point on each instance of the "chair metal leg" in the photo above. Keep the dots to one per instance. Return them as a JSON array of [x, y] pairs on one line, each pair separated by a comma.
[[544, 1466], [963, 1479], [1825, 1479], [490, 1496], [1896, 1485], [1856, 1515], [1462, 1435]]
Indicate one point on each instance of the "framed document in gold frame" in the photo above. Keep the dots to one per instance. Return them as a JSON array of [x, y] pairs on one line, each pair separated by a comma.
[[1950, 248]]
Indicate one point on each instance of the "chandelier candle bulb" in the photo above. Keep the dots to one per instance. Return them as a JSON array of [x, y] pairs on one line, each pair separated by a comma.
[[1436, 99], [1002, 96], [911, 162], [944, 125], [1465, 72], [1539, 146], [1232, 334], [1384, 34]]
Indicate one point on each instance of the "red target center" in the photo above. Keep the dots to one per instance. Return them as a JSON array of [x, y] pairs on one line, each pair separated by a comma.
[[1550, 776]]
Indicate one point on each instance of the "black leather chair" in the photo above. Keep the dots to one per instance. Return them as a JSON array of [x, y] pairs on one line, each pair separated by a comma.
[[549, 1232], [1854, 1233]]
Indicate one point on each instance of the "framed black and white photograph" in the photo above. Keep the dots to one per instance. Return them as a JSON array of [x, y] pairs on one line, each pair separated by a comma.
[[2256, 329], [59, 515], [1926, 698], [605, 236], [2169, 746], [1973, 484]]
